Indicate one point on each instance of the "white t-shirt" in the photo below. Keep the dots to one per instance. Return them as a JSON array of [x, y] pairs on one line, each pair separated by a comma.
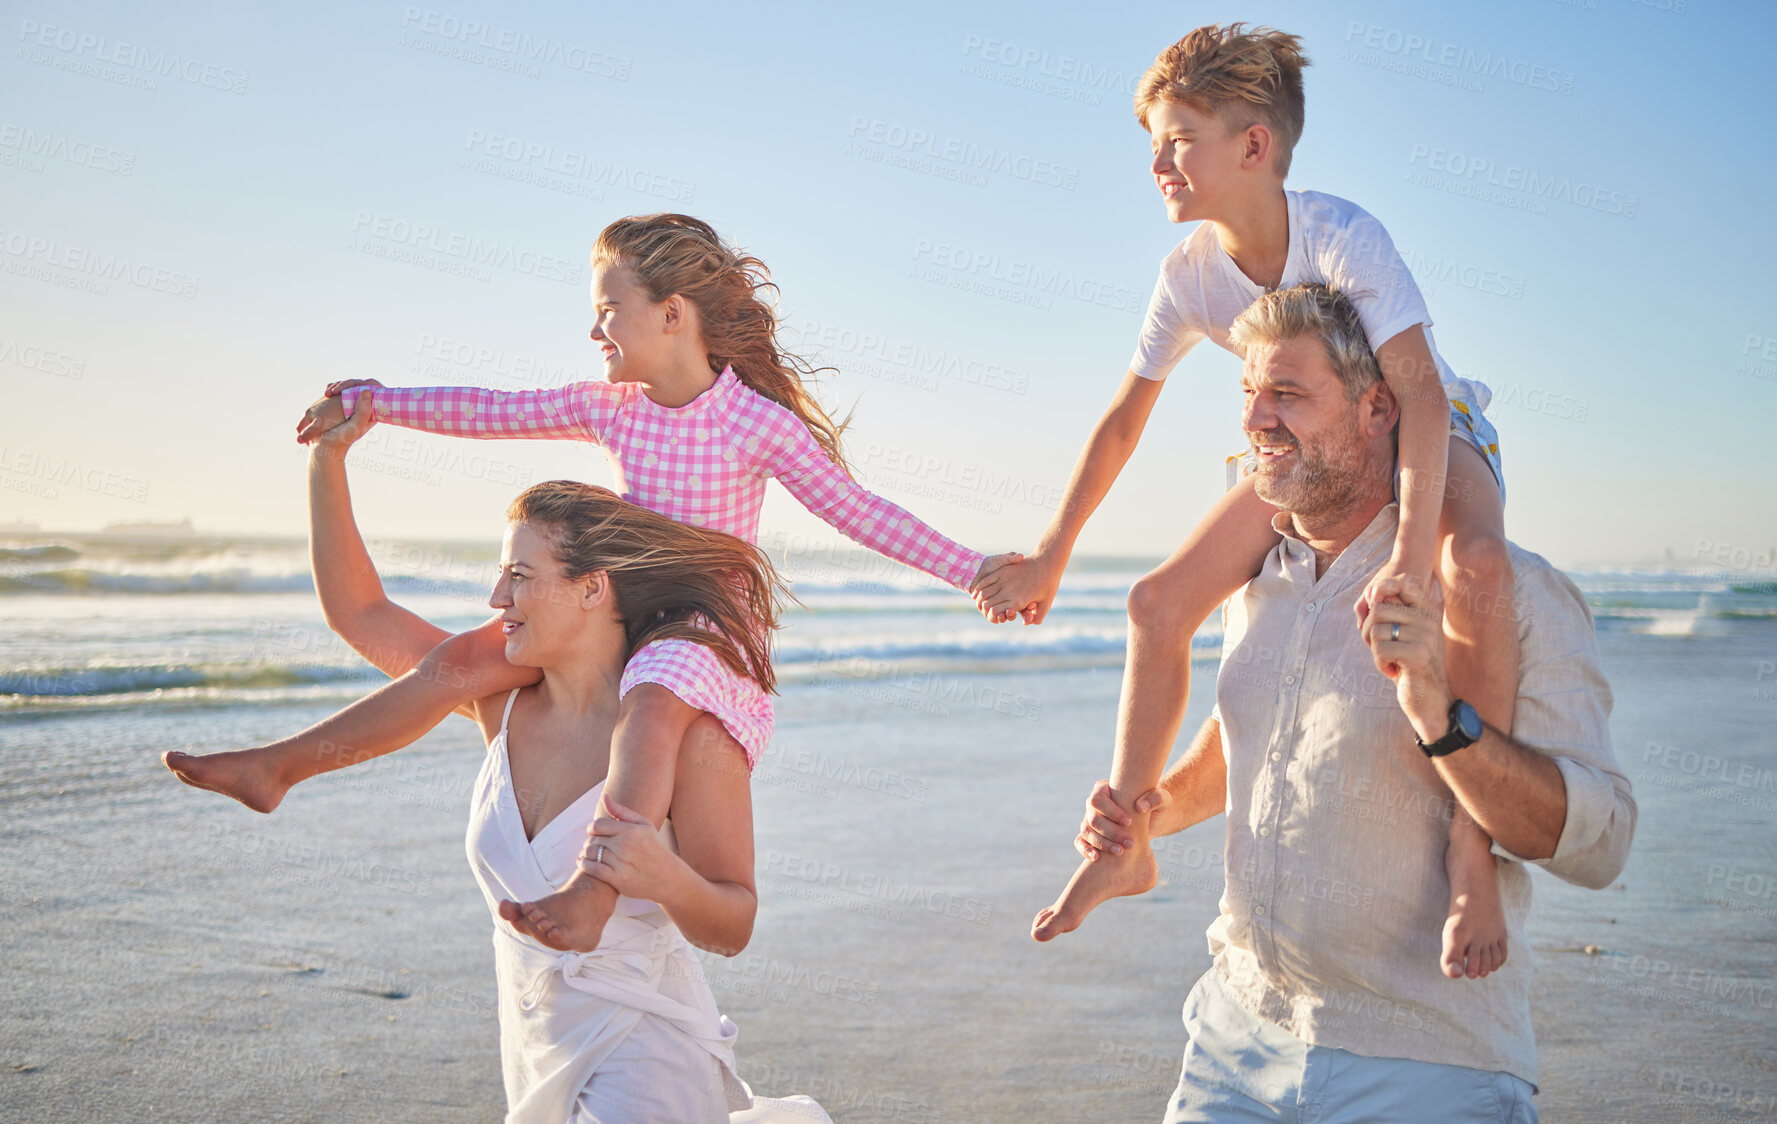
[[1332, 241]]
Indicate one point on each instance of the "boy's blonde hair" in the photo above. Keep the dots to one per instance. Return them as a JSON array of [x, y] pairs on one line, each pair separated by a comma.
[[1312, 310], [1238, 75]]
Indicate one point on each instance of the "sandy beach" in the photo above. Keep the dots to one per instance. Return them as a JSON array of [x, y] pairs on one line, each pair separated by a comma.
[[170, 955]]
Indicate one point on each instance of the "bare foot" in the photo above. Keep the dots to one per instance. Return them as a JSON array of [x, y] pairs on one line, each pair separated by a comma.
[[1135, 871], [1475, 933], [245, 774], [570, 920]]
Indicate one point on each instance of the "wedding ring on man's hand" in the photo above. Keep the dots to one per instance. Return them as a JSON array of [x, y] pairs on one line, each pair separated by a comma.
[[1394, 632]]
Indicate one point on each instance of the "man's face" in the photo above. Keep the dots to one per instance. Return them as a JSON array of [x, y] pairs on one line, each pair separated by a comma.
[[1308, 438]]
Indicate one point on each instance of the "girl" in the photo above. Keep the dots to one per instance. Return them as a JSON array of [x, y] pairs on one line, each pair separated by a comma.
[[701, 407]]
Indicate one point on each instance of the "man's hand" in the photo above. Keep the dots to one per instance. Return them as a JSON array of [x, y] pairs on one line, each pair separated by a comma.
[[1025, 588], [1393, 574], [988, 575], [1102, 829], [329, 410], [1405, 632]]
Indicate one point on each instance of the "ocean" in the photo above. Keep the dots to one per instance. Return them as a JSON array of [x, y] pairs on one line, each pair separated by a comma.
[[167, 953]]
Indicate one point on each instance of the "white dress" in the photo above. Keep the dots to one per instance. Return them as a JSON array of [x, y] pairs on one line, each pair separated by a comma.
[[625, 1034]]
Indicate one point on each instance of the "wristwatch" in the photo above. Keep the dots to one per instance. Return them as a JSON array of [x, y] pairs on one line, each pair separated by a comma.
[[1465, 729]]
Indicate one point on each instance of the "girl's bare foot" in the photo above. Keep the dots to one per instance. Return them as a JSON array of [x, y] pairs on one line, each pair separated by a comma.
[[1135, 871], [570, 920], [1475, 933], [245, 774]]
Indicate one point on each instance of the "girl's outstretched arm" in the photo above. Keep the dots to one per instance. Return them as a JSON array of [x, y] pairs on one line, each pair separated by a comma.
[[578, 412], [788, 451]]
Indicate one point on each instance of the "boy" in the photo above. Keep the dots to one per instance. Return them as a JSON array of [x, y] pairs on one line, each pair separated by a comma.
[[1224, 107]]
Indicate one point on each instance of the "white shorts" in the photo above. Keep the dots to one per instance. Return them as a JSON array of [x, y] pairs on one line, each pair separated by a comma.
[[1238, 1068]]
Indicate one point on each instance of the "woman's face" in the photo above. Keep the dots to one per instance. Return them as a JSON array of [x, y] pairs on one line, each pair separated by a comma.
[[542, 613]]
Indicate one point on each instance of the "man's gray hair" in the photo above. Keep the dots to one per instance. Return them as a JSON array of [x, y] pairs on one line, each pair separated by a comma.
[[1312, 309]]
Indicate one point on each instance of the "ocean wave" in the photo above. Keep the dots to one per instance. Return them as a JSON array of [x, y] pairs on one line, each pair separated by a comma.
[[70, 682], [174, 698], [43, 552], [79, 581]]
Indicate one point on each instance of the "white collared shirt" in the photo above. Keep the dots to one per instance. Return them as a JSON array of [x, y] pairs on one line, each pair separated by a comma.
[[1336, 895]]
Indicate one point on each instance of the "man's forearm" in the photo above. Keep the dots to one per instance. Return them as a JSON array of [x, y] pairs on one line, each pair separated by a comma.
[[1197, 785], [1515, 793]]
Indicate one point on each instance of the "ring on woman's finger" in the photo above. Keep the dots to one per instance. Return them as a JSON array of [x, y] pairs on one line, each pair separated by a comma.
[[598, 856], [1394, 632]]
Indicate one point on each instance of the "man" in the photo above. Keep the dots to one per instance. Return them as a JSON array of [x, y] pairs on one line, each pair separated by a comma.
[[1325, 1001]]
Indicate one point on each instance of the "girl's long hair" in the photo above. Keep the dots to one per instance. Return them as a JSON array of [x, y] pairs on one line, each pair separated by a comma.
[[671, 254], [670, 580]]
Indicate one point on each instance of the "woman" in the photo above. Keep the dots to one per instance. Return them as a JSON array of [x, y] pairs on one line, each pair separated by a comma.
[[628, 1031]]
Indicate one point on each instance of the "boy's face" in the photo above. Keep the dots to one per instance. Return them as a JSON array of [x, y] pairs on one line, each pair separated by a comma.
[[1197, 160]]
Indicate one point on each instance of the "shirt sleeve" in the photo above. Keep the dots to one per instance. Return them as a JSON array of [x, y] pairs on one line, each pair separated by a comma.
[[579, 412], [1165, 336], [1563, 712], [785, 449], [1359, 259], [701, 678]]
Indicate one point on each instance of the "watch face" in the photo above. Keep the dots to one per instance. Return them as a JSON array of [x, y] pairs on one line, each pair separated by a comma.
[[1468, 722]]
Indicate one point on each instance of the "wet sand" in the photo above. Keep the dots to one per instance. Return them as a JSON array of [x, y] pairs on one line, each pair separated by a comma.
[[168, 954]]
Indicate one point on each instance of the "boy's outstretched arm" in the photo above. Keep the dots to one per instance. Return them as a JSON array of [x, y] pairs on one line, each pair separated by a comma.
[[1029, 586]]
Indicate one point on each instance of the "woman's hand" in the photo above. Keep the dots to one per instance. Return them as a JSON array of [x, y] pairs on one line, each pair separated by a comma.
[[625, 851], [329, 411], [325, 424]]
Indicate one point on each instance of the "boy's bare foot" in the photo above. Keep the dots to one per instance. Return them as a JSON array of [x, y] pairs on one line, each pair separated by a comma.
[[570, 920], [244, 774], [1475, 933], [1135, 871]]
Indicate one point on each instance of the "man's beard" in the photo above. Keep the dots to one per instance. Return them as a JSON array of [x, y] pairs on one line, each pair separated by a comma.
[[1315, 483]]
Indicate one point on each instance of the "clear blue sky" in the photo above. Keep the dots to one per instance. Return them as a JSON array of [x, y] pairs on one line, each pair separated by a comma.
[[1583, 188]]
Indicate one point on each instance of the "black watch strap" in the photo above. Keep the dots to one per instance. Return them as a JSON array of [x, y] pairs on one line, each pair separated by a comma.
[[1465, 730]]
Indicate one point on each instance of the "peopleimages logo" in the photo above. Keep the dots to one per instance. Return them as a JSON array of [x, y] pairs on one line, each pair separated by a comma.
[[1460, 172], [1033, 282], [962, 155], [60, 263], [86, 53], [36, 147], [1458, 60], [389, 236], [520, 48]]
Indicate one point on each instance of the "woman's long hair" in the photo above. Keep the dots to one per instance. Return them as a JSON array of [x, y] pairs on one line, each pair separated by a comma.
[[669, 580], [677, 254]]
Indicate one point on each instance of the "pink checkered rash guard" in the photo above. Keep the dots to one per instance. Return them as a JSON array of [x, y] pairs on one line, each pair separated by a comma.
[[705, 463]]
